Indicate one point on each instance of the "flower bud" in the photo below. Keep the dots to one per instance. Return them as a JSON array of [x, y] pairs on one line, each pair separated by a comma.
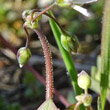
[[25, 14], [69, 43], [87, 99], [79, 97], [84, 81], [28, 19], [23, 55], [63, 3]]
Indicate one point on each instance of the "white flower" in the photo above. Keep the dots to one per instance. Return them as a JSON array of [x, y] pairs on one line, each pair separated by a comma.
[[43, 3], [81, 10], [78, 8], [83, 1]]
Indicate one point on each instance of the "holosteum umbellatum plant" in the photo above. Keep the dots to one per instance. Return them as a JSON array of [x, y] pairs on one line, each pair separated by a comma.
[[69, 43]]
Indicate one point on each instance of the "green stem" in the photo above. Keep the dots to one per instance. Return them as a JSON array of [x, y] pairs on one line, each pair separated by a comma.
[[105, 55]]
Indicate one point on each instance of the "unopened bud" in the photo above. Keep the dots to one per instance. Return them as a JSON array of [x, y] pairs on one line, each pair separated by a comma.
[[25, 14], [84, 80], [28, 17], [87, 99], [23, 55], [79, 97], [69, 43], [63, 3]]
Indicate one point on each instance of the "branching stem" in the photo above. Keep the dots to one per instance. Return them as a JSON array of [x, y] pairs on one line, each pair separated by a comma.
[[36, 10], [51, 6]]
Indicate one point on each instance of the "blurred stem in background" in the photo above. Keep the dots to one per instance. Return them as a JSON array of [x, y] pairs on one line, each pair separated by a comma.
[[105, 53]]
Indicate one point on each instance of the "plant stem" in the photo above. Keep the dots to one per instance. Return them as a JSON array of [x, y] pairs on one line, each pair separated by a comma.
[[36, 10], [61, 98], [48, 63], [51, 6], [77, 105], [27, 36], [105, 54]]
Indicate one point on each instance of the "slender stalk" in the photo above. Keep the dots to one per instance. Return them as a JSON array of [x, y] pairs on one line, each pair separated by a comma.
[[86, 91], [64, 32], [48, 8], [105, 54], [27, 36], [77, 105], [48, 63]]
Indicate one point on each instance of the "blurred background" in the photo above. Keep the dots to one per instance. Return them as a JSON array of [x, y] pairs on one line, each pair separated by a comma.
[[19, 89]]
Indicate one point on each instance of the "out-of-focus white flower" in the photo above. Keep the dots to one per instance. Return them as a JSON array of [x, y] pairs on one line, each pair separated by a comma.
[[43, 3], [83, 1], [75, 5], [68, 0]]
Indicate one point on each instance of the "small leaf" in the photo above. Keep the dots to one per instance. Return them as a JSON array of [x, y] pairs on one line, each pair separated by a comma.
[[48, 105]]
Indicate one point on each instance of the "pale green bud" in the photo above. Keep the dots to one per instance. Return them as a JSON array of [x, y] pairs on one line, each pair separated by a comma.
[[69, 43], [87, 99], [25, 14], [63, 3], [79, 97], [28, 19], [84, 80], [23, 55]]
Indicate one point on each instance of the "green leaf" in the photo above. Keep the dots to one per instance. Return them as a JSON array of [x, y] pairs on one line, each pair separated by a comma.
[[105, 57], [66, 56]]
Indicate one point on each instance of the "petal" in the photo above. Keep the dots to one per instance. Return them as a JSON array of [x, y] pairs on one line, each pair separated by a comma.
[[83, 1], [81, 10], [68, 1]]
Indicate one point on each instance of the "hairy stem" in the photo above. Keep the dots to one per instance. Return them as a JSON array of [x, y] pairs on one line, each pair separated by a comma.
[[35, 73], [48, 62]]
